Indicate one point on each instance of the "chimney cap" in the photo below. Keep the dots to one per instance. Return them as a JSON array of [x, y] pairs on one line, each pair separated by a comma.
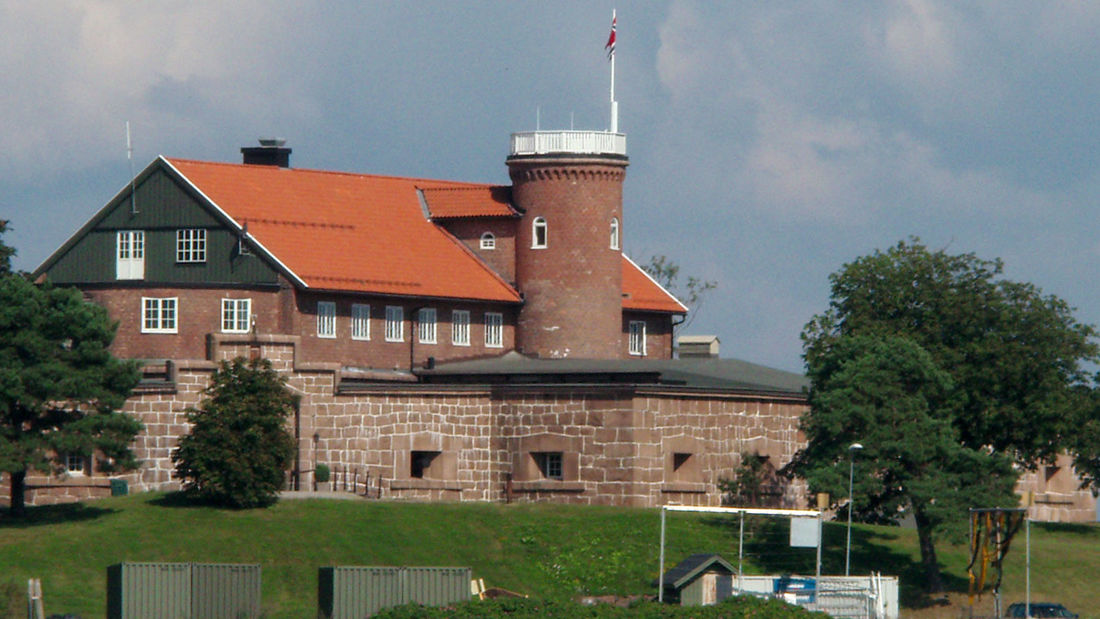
[[273, 142]]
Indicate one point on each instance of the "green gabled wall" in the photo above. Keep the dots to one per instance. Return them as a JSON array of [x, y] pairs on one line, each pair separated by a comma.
[[163, 205]]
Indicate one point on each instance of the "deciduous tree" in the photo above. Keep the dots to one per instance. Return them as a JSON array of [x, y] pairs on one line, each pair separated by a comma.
[[935, 361], [239, 448]]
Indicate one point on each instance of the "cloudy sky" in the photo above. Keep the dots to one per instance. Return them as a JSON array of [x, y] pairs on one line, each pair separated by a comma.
[[769, 143]]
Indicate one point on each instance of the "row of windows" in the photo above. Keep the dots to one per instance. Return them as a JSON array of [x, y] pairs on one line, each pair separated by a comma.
[[395, 324], [130, 250], [540, 231], [161, 315]]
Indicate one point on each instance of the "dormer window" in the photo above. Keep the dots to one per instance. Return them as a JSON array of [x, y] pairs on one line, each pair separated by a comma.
[[614, 233], [538, 233], [488, 241]]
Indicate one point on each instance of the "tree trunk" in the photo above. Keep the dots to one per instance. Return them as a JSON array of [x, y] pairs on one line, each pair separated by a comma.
[[932, 581], [18, 506]]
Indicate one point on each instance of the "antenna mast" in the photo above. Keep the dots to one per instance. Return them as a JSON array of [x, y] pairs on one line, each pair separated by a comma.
[[130, 158]]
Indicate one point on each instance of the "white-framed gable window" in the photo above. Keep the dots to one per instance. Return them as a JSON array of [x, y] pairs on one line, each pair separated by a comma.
[[426, 325], [614, 233], [159, 314], [637, 337], [191, 245], [488, 241], [236, 315], [538, 233], [360, 321], [494, 330], [395, 323], [130, 254], [460, 327], [326, 319]]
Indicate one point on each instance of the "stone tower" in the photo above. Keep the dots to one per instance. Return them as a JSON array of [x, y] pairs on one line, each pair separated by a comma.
[[569, 187]]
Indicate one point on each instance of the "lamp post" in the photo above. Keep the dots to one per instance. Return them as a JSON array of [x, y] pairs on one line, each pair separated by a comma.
[[852, 449]]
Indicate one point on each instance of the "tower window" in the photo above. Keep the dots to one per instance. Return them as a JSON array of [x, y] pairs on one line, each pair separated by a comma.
[[637, 337], [488, 241], [614, 233], [538, 233]]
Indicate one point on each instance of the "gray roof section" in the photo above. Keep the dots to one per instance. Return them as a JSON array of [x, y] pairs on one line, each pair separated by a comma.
[[692, 566], [699, 373]]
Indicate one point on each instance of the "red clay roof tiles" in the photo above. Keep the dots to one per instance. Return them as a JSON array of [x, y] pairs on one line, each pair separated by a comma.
[[367, 233], [350, 232]]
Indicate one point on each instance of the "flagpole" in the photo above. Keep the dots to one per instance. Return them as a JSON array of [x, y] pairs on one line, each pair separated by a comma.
[[614, 104]]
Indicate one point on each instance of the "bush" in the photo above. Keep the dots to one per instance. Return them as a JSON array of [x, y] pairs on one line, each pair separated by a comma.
[[731, 608], [321, 473], [239, 446]]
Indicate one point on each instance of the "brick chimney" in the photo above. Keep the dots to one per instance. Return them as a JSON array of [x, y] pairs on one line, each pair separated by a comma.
[[271, 151]]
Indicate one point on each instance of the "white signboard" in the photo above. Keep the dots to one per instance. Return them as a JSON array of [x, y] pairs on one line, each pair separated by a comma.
[[804, 532]]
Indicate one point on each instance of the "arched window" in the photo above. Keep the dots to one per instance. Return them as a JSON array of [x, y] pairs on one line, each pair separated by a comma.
[[614, 233], [488, 241], [538, 233]]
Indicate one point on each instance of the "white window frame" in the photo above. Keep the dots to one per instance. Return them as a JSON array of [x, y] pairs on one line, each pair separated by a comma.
[[395, 323], [164, 317], [615, 233], [326, 319], [539, 228], [76, 464], [637, 337], [494, 330], [460, 327], [360, 321], [488, 241], [191, 245], [130, 254], [236, 315], [425, 325]]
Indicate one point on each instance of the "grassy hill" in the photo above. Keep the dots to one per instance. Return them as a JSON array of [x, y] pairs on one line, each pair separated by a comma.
[[550, 551]]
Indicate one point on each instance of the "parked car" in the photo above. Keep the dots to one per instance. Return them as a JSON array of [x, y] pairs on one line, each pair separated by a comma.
[[1040, 609]]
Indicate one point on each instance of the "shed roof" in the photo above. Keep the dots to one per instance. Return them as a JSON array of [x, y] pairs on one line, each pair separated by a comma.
[[696, 564]]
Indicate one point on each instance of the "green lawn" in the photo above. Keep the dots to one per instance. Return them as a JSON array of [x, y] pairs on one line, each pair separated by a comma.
[[550, 551]]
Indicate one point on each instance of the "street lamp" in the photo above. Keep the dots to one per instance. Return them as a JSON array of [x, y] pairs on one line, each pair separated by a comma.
[[852, 449]]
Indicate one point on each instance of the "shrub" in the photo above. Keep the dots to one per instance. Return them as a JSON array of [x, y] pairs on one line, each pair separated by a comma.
[[321, 473], [239, 446]]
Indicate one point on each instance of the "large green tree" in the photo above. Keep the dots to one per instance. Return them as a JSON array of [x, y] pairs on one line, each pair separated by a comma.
[[886, 393], [60, 387], [239, 448], [1011, 359]]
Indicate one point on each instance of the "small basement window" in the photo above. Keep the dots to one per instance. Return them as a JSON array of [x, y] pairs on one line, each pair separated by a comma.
[[549, 463]]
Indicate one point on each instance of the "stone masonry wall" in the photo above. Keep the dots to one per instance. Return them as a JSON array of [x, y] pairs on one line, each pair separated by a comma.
[[617, 444]]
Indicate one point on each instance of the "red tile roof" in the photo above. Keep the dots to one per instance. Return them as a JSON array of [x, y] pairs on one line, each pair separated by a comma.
[[450, 202], [349, 232], [641, 292], [367, 233]]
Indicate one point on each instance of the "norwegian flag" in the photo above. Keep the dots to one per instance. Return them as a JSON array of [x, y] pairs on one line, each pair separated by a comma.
[[610, 47]]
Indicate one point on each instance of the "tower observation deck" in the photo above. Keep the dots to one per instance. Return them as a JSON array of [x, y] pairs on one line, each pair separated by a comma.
[[539, 143]]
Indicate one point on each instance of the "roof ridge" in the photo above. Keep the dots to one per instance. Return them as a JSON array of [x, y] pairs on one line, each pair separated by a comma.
[[464, 184]]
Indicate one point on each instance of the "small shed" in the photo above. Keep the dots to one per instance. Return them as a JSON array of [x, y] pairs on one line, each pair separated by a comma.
[[699, 580]]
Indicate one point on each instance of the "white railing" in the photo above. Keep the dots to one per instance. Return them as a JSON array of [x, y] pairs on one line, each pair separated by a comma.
[[578, 142]]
